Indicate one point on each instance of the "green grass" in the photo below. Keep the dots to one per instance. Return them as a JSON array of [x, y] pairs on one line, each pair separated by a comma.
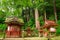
[[1, 35]]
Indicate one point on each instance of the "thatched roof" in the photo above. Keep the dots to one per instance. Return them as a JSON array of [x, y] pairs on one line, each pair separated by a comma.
[[14, 20]]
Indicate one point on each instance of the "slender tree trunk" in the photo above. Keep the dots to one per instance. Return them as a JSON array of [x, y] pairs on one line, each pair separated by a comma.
[[27, 14], [36, 20], [45, 18], [54, 1]]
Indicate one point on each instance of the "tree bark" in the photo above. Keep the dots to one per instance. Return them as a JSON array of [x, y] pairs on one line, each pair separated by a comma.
[[36, 20], [45, 18], [54, 1]]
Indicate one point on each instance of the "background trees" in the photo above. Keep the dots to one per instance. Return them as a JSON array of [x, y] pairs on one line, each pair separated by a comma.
[[26, 9]]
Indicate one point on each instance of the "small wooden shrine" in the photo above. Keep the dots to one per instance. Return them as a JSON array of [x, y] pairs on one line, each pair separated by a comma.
[[50, 26], [13, 27]]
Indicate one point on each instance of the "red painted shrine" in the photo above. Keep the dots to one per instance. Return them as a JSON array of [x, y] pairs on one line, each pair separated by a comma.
[[14, 27], [50, 26]]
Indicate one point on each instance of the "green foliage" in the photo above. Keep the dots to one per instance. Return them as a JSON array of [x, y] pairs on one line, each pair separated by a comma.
[[41, 20], [2, 20], [30, 23], [2, 17], [3, 27], [58, 22], [58, 28], [51, 17], [57, 3]]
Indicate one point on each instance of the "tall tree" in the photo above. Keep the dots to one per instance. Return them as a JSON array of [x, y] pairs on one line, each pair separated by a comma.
[[45, 18], [37, 23], [36, 19], [55, 12]]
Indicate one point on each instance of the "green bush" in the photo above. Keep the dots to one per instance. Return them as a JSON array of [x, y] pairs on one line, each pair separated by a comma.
[[58, 28], [3, 27]]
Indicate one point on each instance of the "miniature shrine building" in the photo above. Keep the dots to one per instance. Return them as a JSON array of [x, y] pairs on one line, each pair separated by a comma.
[[13, 27]]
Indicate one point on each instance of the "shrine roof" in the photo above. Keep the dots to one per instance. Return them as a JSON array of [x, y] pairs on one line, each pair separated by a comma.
[[14, 20], [49, 23]]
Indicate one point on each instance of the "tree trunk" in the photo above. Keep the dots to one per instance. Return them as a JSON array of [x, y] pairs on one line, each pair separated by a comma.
[[45, 18], [54, 1], [44, 7], [28, 13], [36, 20]]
